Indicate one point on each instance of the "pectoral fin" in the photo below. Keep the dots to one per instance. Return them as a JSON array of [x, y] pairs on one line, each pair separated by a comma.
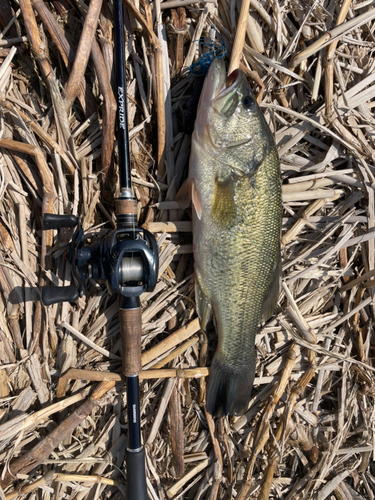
[[196, 200], [223, 202], [272, 293], [203, 304]]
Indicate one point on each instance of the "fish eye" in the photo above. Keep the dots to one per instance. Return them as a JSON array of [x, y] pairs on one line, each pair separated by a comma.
[[248, 101]]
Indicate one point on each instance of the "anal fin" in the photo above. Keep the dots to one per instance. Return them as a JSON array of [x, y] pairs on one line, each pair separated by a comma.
[[203, 304], [273, 290]]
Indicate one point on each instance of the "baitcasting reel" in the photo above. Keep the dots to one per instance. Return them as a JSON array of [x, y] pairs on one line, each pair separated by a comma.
[[126, 259]]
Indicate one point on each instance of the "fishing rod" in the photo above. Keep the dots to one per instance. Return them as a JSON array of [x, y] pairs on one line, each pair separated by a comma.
[[126, 259]]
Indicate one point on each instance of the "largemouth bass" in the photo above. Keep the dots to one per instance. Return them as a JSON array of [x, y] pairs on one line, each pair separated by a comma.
[[235, 183]]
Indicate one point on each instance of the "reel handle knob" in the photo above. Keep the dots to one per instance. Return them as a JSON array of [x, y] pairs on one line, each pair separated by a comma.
[[53, 221], [54, 294]]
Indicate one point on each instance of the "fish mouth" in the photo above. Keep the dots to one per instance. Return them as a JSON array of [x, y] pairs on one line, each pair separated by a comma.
[[218, 83], [214, 82], [232, 78], [230, 83], [226, 98], [215, 89]]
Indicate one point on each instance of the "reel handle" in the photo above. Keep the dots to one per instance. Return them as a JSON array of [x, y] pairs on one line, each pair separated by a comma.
[[54, 294], [53, 221]]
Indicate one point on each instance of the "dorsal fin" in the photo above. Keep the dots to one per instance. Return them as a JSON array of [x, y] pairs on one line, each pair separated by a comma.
[[273, 290], [183, 196]]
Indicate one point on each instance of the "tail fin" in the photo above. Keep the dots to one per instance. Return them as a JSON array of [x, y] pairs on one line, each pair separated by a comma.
[[229, 389]]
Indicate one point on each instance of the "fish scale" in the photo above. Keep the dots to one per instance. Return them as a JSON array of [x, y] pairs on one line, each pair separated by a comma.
[[239, 300], [236, 191]]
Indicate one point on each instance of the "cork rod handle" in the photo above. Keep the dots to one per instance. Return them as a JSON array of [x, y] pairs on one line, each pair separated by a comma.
[[131, 332]]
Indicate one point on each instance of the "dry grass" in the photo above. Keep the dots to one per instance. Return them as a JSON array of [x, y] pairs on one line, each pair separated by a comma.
[[309, 429]]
